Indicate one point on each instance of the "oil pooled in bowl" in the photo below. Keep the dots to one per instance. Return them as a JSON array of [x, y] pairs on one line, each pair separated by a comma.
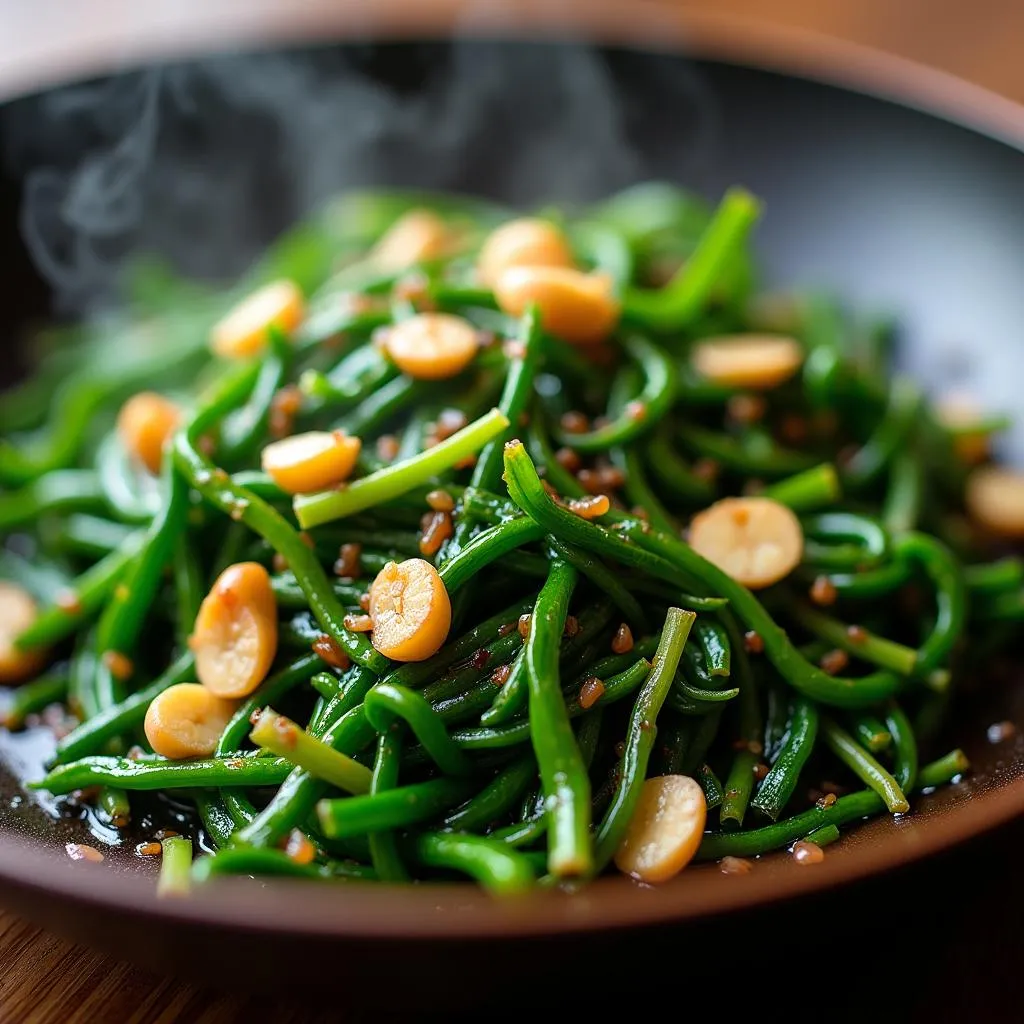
[[59, 821]]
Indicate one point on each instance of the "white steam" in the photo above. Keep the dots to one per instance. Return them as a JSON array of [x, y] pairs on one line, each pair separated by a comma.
[[205, 163]]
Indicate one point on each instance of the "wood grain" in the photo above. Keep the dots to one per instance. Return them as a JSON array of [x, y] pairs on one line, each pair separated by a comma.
[[48, 981], [45, 980]]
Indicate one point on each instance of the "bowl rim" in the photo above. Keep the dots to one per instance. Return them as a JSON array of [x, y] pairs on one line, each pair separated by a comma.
[[368, 911], [460, 912], [85, 43]]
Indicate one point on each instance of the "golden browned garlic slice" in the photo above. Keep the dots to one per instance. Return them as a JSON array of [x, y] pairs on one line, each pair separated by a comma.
[[959, 412], [312, 461], [576, 307], [527, 242], [235, 636], [145, 424], [995, 500], [757, 541], [755, 361], [665, 830], [18, 611], [410, 610], [243, 331], [186, 720], [432, 346], [416, 236]]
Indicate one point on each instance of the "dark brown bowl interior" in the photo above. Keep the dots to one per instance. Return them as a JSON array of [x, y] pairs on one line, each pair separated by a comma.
[[890, 207]]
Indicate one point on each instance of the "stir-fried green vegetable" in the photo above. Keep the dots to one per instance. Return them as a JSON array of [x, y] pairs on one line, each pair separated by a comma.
[[505, 518]]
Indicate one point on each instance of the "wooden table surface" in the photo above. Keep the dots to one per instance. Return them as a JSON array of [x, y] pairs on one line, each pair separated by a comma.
[[46, 980]]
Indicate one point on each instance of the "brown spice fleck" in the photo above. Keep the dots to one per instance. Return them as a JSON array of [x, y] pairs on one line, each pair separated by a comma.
[[279, 563], [807, 853], [857, 634], [287, 732], [330, 652], [500, 675], [572, 626], [505, 628], [451, 421], [574, 423], [68, 601], [823, 591], [636, 411], [735, 866], [752, 642], [299, 848], [760, 770], [307, 539], [846, 454], [284, 407], [793, 429], [524, 625], [751, 746], [414, 288], [550, 491], [611, 478], [467, 463], [148, 850], [387, 447], [825, 422], [622, 642], [480, 658], [358, 623], [826, 800], [435, 533], [80, 851], [569, 460], [706, 470], [591, 692], [347, 566], [746, 408], [590, 508], [440, 501], [835, 661], [120, 665], [1000, 731]]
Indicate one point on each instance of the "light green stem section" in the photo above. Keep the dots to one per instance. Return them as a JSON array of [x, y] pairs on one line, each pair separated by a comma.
[[392, 481], [175, 867], [282, 736]]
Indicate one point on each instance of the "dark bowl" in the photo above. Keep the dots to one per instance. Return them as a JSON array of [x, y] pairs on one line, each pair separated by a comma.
[[894, 208]]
